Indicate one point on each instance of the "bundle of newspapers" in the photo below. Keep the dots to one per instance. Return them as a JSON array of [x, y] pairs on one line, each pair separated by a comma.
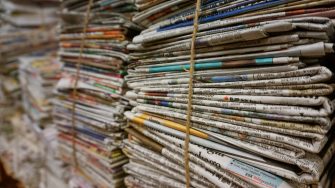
[[21, 13], [27, 30], [38, 76], [262, 106], [26, 26], [91, 121], [21, 154], [26, 151], [54, 172], [14, 43]]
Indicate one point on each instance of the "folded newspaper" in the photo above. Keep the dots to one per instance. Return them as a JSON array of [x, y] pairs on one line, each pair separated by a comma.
[[98, 63], [263, 94]]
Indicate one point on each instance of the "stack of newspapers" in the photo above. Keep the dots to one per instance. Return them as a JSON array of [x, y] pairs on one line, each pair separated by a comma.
[[14, 43], [21, 13], [38, 76], [263, 94], [91, 132], [27, 151], [54, 172], [26, 35]]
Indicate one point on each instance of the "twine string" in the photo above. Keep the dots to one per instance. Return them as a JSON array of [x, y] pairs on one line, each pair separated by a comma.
[[190, 95], [75, 90]]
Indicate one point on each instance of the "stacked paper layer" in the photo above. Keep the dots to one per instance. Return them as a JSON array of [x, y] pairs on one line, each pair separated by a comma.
[[38, 77], [99, 121], [16, 42], [55, 173], [27, 151], [263, 94], [23, 13], [23, 142], [30, 153]]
